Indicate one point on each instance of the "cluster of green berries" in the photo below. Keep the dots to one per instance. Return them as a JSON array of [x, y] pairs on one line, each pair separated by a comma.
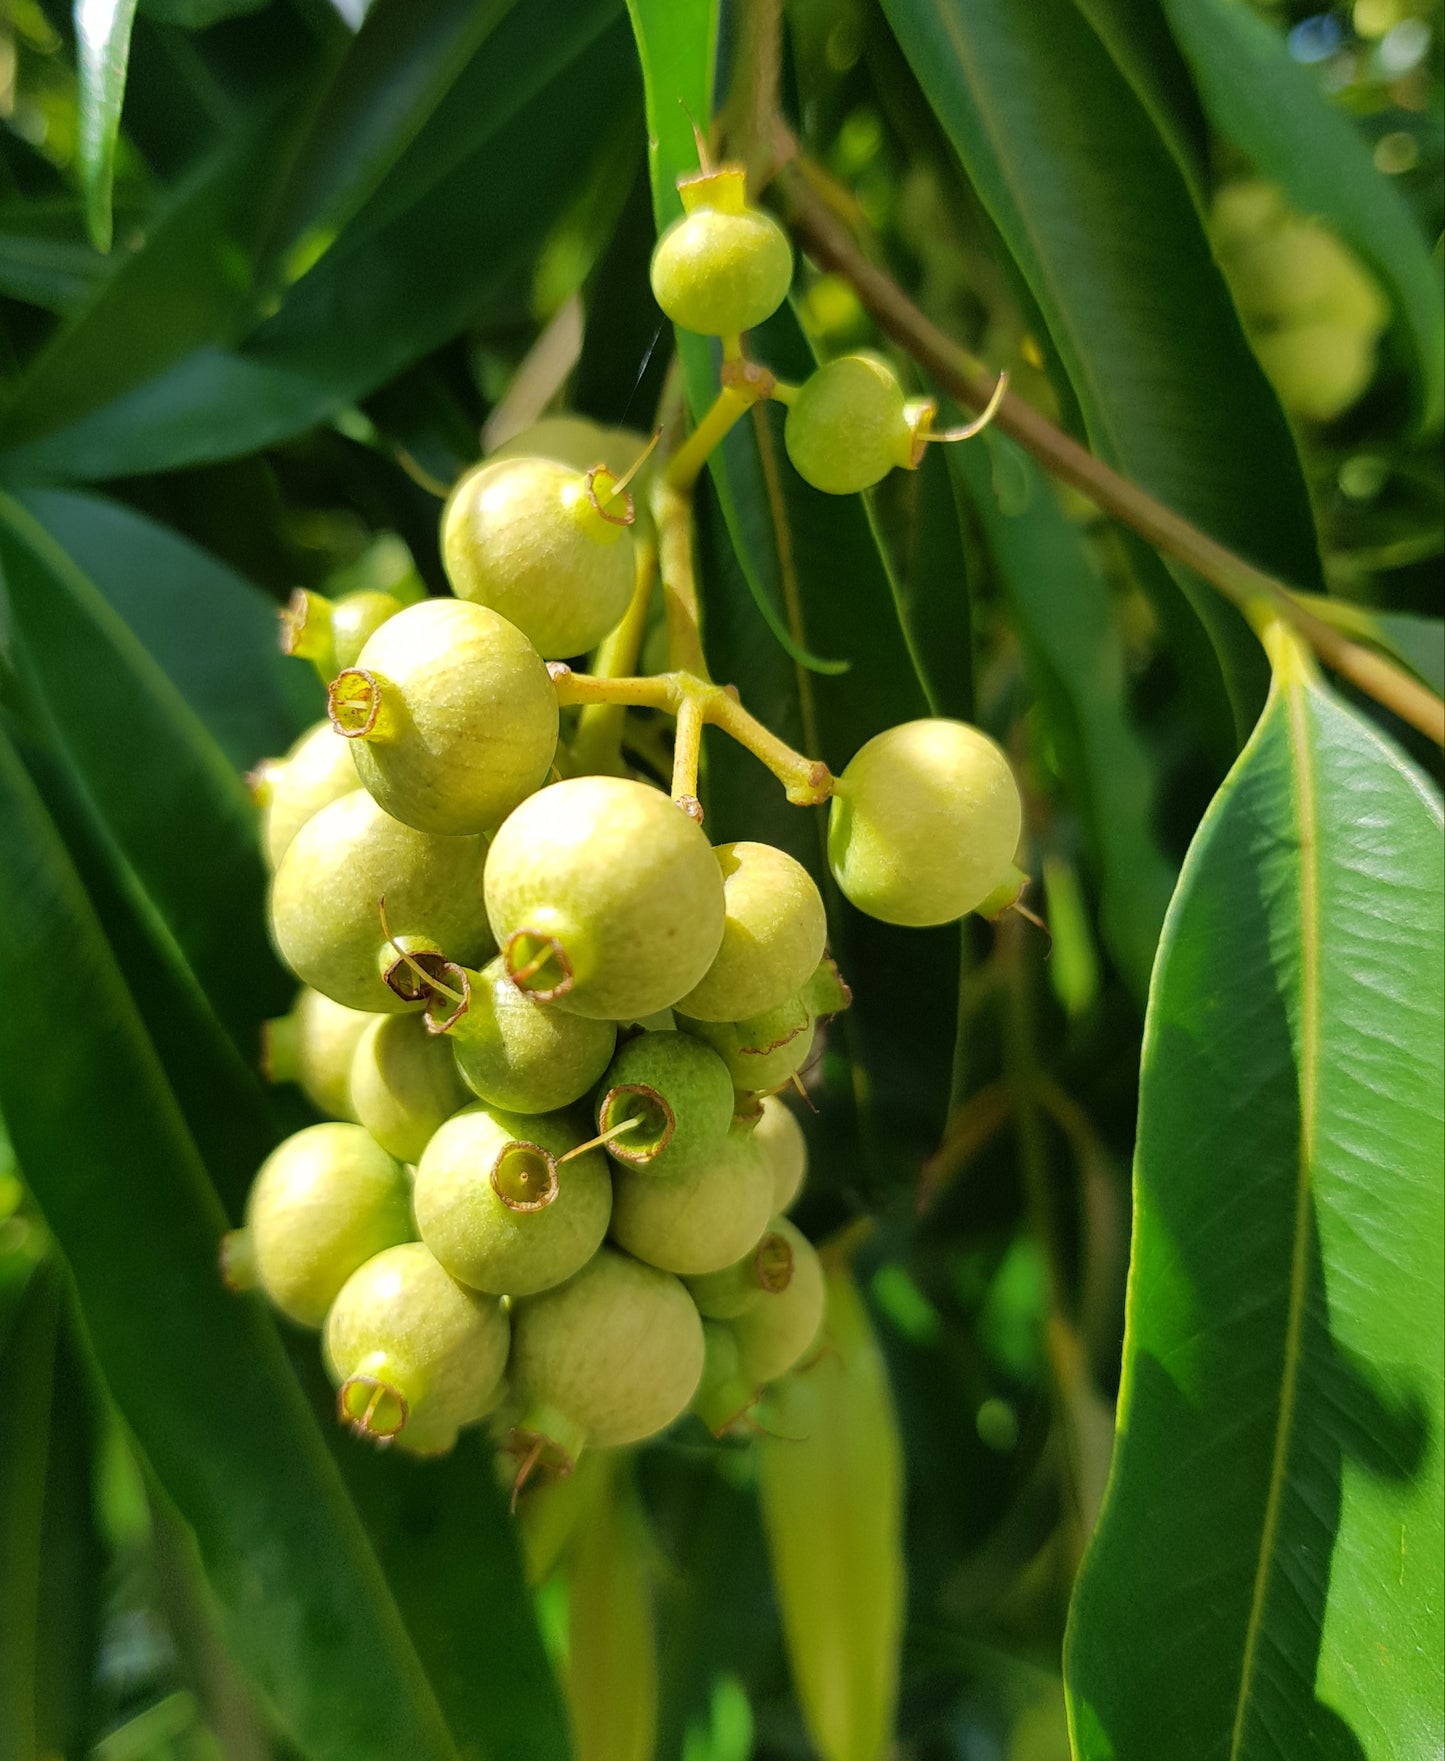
[[547, 1019]]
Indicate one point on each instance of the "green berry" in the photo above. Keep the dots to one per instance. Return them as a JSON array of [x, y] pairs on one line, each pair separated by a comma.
[[780, 1138], [723, 267], [451, 715], [327, 895], [679, 1094], [414, 1354], [499, 1207], [313, 1046], [323, 1203], [779, 1329], [764, 1051], [515, 1053], [766, 1269], [773, 935], [315, 772], [724, 1394], [580, 444], [612, 1356], [704, 1217], [924, 823], [604, 897], [546, 546], [332, 632], [404, 1084], [850, 424]]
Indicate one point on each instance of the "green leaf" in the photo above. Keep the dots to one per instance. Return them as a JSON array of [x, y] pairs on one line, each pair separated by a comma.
[[197, 1373], [1265, 1575], [173, 809], [1136, 34], [45, 257], [1064, 618], [102, 39], [1273, 110], [1099, 218], [612, 1660]]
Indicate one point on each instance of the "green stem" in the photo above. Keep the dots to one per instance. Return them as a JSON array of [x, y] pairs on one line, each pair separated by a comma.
[[596, 747], [731, 402]]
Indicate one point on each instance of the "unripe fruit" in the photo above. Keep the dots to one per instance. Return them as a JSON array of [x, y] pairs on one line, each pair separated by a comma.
[[612, 1356], [332, 632], [313, 1046], [764, 1051], [327, 895], [766, 1270], [773, 935], [497, 1210], [544, 545], [780, 1138], [323, 1203], [724, 1394], [850, 424], [723, 267], [414, 1354], [679, 1094], [315, 772], [515, 1053], [580, 444], [776, 1332], [605, 898], [925, 822], [700, 1219], [404, 1084], [451, 715]]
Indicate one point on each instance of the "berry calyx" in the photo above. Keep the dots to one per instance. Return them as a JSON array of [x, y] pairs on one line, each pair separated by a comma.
[[724, 266], [765, 1271], [779, 1329], [762, 1052], [332, 632], [773, 934], [404, 1084], [677, 1096], [925, 822], [315, 772]]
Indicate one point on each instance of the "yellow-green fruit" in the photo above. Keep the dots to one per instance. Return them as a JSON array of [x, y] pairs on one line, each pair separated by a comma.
[[849, 426], [765, 1270], [724, 1394], [451, 715], [543, 545], [323, 1203], [775, 1332], [518, 1054], [676, 1094], [500, 1209], [313, 1046], [764, 1051], [332, 632], [414, 1355], [924, 823], [700, 1219], [579, 443], [780, 1138], [612, 1356], [1317, 369], [328, 893], [315, 772], [723, 267], [605, 898], [773, 935], [404, 1084]]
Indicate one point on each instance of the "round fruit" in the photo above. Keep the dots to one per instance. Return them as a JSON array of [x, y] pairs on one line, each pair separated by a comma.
[[764, 1051], [518, 1054], [315, 772], [544, 545], [724, 1394], [612, 1356], [605, 898], [773, 935], [777, 1331], [850, 424], [496, 1208], [415, 1356], [343, 865], [323, 1203], [701, 1219], [404, 1084], [332, 632], [723, 267], [679, 1096], [780, 1138], [764, 1271], [313, 1046], [925, 822], [451, 715]]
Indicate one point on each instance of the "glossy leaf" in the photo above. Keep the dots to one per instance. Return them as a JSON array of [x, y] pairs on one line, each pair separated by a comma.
[[1136, 34], [1274, 110], [1269, 1550], [102, 36], [1098, 216], [197, 1374]]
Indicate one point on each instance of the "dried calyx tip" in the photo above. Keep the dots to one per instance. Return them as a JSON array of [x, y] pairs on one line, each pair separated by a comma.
[[371, 1408], [538, 965], [524, 1176], [641, 1109]]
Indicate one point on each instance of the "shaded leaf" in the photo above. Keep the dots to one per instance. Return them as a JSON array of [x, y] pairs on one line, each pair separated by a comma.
[[612, 1637], [102, 38], [1136, 34]]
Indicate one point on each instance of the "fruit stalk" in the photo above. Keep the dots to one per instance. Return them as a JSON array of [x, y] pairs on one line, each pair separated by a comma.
[[595, 746]]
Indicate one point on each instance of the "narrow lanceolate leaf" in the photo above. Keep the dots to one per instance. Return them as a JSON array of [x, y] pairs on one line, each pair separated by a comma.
[[1272, 108], [197, 1373], [102, 40], [1268, 1558], [1098, 216], [831, 1478]]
